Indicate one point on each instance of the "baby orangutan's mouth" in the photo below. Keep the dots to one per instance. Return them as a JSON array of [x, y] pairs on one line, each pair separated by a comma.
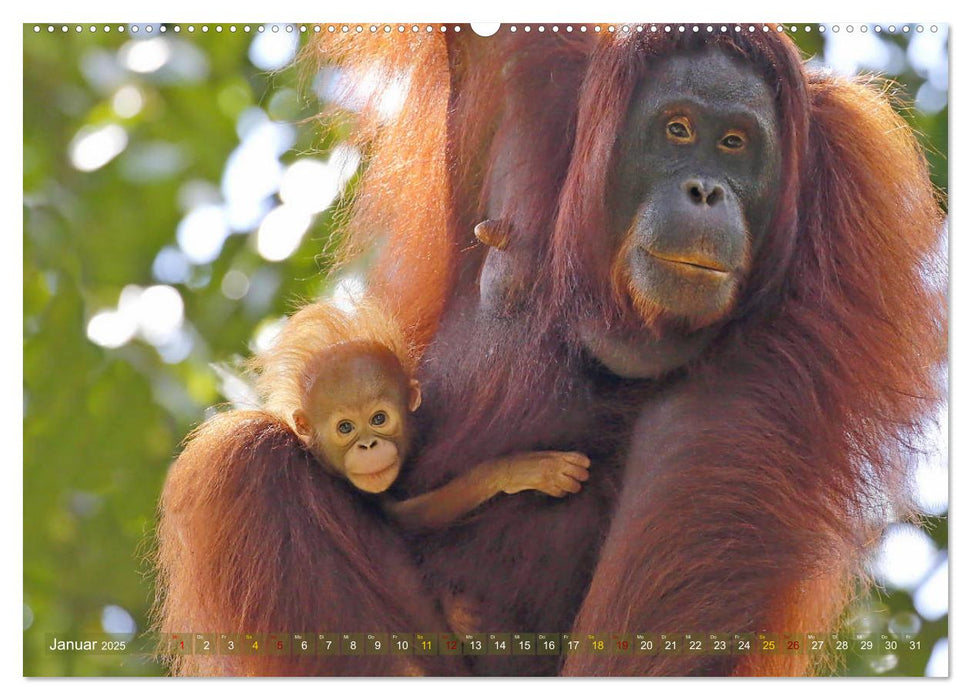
[[375, 481], [373, 469]]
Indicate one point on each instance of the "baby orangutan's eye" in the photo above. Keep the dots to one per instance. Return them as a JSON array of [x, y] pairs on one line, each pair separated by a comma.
[[379, 419], [345, 427]]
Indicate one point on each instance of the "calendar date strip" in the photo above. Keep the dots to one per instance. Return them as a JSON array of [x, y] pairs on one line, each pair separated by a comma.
[[485, 644]]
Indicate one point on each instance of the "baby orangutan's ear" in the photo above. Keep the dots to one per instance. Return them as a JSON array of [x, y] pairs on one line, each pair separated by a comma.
[[414, 395], [302, 424]]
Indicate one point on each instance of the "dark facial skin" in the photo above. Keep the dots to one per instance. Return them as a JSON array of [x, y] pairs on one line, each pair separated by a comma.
[[692, 193], [356, 416]]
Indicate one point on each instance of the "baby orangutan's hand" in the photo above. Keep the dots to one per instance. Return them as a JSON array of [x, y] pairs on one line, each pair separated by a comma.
[[553, 473]]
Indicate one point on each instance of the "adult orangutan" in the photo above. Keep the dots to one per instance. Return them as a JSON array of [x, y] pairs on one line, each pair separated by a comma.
[[732, 311], [756, 481]]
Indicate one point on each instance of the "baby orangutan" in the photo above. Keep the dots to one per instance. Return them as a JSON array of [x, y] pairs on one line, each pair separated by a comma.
[[345, 384], [284, 482]]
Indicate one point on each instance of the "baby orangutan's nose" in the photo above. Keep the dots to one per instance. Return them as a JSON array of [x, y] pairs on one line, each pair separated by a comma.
[[367, 444]]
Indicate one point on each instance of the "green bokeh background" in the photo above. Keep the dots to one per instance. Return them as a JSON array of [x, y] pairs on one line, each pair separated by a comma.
[[102, 425]]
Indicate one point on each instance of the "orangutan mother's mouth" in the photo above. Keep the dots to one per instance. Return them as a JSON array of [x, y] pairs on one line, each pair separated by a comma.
[[697, 263]]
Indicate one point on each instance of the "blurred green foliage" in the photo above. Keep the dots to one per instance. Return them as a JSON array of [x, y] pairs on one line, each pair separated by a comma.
[[102, 425]]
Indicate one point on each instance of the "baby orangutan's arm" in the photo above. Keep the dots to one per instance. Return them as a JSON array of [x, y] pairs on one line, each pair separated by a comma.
[[553, 473]]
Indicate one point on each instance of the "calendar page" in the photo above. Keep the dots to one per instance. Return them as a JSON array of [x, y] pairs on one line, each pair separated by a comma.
[[523, 349]]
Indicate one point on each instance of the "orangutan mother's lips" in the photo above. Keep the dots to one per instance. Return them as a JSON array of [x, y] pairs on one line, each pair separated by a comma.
[[699, 263]]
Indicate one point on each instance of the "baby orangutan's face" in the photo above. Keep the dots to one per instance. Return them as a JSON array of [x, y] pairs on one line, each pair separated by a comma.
[[356, 418]]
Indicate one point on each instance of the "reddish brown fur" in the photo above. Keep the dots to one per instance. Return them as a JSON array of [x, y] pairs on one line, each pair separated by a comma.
[[427, 179], [798, 420], [399, 195], [255, 537], [769, 468], [752, 483], [245, 494]]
